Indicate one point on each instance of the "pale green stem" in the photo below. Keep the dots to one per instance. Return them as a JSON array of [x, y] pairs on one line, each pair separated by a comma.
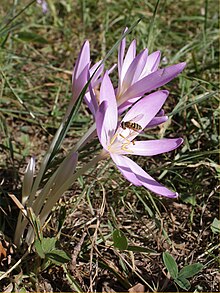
[[37, 204], [49, 205], [19, 229], [21, 225], [64, 187], [43, 167], [42, 196]]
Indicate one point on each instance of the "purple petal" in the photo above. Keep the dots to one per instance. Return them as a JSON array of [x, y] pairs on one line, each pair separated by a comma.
[[146, 109], [90, 97], [152, 63], [136, 175], [152, 81], [155, 147], [100, 127], [126, 172], [80, 72], [111, 113], [127, 104], [157, 120], [135, 69], [43, 4], [160, 113], [130, 55], [97, 74], [91, 101]]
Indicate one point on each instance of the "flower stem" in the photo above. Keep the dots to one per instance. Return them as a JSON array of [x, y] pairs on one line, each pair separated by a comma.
[[64, 187]]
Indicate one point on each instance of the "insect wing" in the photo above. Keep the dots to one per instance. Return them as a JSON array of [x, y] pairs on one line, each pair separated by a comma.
[[133, 120], [137, 118]]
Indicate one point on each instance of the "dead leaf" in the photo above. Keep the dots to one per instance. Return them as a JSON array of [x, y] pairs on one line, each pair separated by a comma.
[[2, 251]]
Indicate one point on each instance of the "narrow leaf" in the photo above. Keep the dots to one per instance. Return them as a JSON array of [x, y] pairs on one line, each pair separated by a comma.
[[31, 37], [215, 226], [2, 29], [190, 270], [58, 256], [183, 283], [120, 240], [170, 264], [73, 283], [197, 100]]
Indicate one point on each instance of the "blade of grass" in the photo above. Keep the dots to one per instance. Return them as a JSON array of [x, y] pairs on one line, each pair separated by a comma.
[[62, 130], [3, 29]]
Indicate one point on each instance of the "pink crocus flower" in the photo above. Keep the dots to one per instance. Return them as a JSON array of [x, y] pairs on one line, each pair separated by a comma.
[[81, 75], [137, 75], [118, 142], [140, 74]]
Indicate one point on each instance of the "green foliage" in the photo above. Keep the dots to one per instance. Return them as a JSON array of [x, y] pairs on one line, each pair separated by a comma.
[[170, 264], [31, 37], [215, 226], [190, 270], [183, 283], [180, 277], [46, 248], [120, 240]]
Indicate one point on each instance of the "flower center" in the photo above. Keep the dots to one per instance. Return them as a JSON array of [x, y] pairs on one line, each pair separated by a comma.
[[121, 140]]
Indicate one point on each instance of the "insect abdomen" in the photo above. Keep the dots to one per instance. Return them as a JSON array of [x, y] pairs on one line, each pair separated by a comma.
[[131, 125]]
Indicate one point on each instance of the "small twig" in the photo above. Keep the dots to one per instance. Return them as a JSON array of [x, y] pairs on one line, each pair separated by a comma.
[[76, 252]]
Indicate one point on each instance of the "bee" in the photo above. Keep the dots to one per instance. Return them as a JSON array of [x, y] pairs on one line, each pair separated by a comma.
[[131, 125]]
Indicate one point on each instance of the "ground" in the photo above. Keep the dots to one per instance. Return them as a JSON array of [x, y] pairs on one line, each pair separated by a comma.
[[37, 56]]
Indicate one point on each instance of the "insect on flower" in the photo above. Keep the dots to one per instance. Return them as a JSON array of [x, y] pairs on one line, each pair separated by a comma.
[[130, 125], [118, 142]]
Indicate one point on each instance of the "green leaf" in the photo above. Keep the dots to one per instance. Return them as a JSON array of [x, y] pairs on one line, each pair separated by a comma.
[[215, 226], [61, 218], [170, 264], [58, 256], [35, 221], [190, 270], [191, 199], [120, 240], [183, 283], [140, 249], [38, 247], [31, 37], [44, 246], [48, 244]]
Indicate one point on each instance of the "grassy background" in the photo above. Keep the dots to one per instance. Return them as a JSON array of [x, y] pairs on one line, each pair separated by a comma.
[[36, 80]]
